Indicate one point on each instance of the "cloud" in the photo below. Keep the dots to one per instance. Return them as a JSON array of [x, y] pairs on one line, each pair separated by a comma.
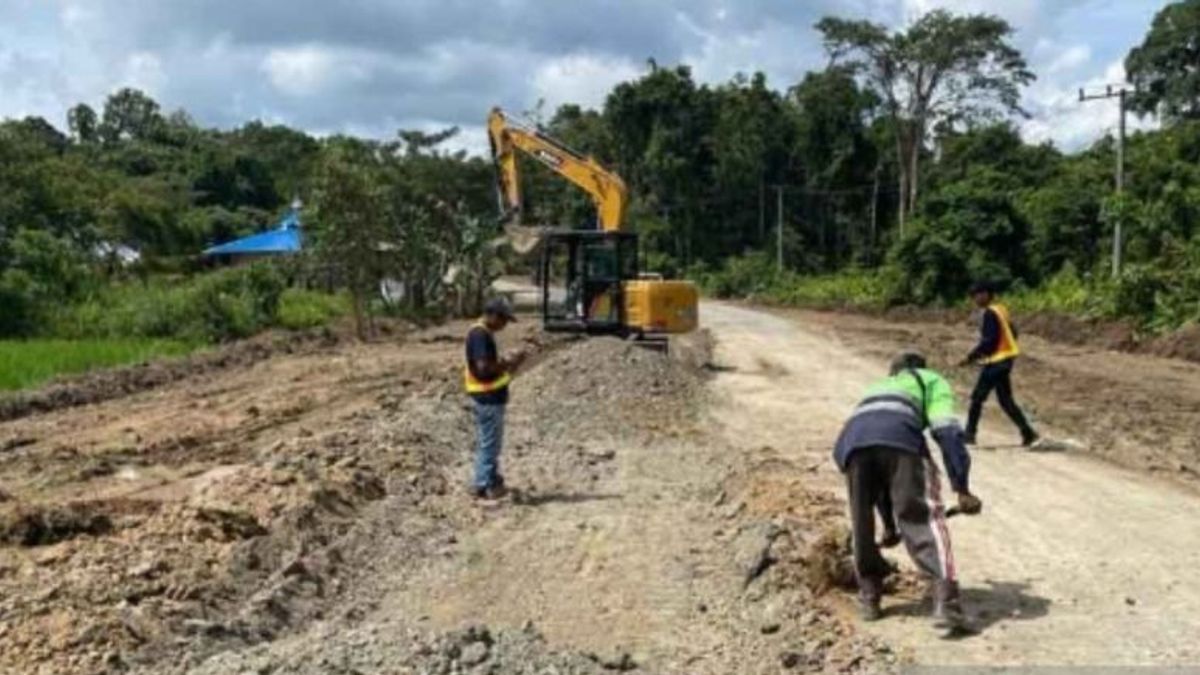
[[1060, 116], [584, 79], [1069, 59], [377, 65]]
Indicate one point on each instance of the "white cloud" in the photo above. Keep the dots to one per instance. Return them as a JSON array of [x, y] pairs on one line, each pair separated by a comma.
[[580, 78], [1059, 116], [144, 70], [1070, 59], [300, 71]]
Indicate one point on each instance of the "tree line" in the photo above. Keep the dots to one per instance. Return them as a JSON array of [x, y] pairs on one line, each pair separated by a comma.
[[900, 159]]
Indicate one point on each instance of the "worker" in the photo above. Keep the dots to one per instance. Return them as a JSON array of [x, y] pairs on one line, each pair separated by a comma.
[[487, 378], [996, 351], [888, 466]]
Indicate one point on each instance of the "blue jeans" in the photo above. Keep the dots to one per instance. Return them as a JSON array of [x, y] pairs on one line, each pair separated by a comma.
[[489, 436]]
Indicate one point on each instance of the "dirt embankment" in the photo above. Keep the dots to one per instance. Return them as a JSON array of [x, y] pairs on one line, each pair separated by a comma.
[[221, 503], [630, 547], [1064, 329], [305, 512]]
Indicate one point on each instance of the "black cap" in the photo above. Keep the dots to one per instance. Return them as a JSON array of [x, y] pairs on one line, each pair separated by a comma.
[[982, 287], [499, 307], [907, 359]]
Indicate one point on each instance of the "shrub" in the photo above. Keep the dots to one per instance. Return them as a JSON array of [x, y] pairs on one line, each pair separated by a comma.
[[213, 307], [299, 308]]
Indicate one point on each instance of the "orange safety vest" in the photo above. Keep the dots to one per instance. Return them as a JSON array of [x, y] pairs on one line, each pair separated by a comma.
[[475, 385], [1007, 347]]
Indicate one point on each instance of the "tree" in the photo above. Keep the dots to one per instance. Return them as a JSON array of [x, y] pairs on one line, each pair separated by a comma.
[[351, 223], [752, 139], [943, 70], [129, 114], [837, 161], [967, 230], [1165, 68], [661, 125], [82, 122]]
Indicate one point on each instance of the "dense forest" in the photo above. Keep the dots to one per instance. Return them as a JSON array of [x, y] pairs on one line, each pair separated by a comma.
[[895, 175]]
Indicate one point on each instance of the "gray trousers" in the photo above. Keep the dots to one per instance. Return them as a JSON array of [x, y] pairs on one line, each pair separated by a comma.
[[912, 483]]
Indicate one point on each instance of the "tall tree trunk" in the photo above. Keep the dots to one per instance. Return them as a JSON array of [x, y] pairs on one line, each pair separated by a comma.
[[360, 323], [762, 210], [901, 177], [914, 171], [874, 214]]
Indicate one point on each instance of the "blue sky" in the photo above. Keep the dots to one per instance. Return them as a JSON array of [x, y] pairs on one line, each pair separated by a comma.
[[373, 66]]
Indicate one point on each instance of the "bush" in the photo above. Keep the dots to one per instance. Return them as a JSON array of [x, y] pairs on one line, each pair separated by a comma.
[[742, 277], [299, 308], [1066, 292], [755, 276], [214, 307]]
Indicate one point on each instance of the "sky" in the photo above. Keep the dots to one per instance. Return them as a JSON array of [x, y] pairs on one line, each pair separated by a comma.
[[370, 67]]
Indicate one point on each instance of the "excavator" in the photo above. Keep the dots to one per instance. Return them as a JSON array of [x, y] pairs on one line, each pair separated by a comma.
[[606, 292]]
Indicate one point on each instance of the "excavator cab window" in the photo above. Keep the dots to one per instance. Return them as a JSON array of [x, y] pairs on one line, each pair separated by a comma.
[[595, 264]]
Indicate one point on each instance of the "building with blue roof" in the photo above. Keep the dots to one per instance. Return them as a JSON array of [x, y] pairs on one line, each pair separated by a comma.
[[285, 239]]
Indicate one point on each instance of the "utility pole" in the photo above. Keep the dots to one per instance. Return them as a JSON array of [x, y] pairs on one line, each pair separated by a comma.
[[779, 227], [762, 210], [1119, 92], [874, 213]]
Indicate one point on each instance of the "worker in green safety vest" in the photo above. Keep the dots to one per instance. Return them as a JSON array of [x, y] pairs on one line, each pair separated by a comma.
[[888, 466]]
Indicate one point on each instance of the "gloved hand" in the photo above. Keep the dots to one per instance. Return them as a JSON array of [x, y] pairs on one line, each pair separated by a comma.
[[968, 361], [969, 504]]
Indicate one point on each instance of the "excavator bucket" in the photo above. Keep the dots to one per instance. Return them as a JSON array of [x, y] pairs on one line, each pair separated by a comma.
[[524, 239]]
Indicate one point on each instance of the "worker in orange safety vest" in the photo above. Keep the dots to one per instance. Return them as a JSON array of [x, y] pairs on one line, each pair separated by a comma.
[[996, 352], [486, 377]]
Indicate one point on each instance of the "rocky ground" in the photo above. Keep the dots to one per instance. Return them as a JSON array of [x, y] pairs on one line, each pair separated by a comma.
[[303, 510], [298, 505]]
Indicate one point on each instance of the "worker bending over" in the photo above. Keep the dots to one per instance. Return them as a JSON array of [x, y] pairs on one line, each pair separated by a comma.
[[996, 352], [487, 378], [883, 453]]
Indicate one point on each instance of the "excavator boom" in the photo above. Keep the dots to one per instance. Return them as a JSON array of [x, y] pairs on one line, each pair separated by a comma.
[[606, 189]]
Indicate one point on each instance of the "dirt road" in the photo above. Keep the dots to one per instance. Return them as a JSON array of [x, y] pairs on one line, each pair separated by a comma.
[[1075, 561]]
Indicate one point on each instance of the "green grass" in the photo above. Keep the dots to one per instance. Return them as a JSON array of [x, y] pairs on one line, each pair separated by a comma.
[[28, 363], [299, 308]]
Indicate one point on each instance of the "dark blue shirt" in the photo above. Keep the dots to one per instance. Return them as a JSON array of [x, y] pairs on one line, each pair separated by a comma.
[[989, 337], [481, 346]]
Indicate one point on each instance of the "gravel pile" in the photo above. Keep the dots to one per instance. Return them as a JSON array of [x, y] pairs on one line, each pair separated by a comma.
[[396, 648]]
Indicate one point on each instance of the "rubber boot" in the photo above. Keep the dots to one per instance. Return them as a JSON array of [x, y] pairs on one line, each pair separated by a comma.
[[947, 606], [870, 592]]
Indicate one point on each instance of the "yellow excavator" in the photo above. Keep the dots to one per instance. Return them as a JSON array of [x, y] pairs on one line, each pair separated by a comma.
[[605, 290]]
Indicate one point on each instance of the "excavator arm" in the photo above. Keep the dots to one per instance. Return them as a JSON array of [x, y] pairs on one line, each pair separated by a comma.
[[606, 189]]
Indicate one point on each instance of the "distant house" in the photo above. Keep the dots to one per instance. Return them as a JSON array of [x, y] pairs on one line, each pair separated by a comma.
[[117, 255], [285, 239]]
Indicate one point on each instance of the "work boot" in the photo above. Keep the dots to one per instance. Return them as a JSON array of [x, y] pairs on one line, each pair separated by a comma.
[[891, 538], [947, 607], [870, 591]]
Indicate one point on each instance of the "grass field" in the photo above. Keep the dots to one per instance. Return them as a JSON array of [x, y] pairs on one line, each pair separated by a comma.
[[27, 363]]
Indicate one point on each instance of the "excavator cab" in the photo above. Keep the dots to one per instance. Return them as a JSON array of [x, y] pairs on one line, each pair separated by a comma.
[[592, 267]]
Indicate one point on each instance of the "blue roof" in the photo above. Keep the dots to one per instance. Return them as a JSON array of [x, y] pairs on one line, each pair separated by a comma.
[[284, 239]]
